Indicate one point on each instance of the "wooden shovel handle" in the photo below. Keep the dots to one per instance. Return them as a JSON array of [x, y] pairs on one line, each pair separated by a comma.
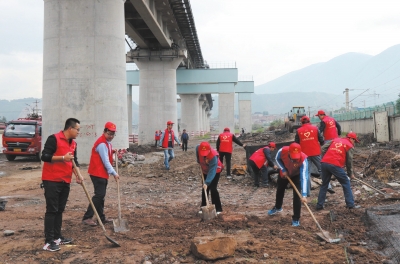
[[370, 186], [87, 195], [119, 195], [300, 196], [205, 190]]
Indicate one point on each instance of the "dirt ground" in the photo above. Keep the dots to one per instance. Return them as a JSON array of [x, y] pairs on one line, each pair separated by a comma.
[[162, 210]]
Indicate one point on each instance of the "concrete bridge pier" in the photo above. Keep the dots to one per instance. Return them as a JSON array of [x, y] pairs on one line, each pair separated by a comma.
[[84, 73], [190, 112], [208, 120], [129, 98], [245, 111], [157, 93], [226, 114]]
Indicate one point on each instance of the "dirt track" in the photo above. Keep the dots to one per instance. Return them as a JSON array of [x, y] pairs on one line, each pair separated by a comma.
[[162, 207]]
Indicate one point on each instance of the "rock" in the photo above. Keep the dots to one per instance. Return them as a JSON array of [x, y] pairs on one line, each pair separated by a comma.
[[150, 176], [8, 232], [366, 188], [146, 262], [388, 190], [358, 250], [212, 248], [395, 162], [266, 255], [393, 184], [357, 192], [131, 168]]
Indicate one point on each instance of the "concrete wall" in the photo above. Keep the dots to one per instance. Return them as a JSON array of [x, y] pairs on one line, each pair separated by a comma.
[[362, 126], [365, 126]]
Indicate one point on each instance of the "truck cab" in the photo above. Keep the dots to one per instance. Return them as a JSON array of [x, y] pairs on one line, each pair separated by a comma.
[[22, 137]]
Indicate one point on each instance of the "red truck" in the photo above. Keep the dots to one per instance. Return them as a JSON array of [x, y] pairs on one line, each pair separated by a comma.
[[23, 137]]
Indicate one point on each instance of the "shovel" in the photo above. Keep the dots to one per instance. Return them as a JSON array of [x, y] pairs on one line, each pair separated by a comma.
[[115, 243], [387, 196], [208, 211], [324, 234], [120, 225]]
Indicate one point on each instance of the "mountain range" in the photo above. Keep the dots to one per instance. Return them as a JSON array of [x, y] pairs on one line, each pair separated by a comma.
[[371, 80]]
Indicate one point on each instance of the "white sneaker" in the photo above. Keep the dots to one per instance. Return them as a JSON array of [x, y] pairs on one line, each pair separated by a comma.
[[200, 212], [219, 213]]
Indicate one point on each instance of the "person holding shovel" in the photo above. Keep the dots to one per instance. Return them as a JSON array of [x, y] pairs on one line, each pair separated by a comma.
[[257, 163], [211, 168], [336, 154], [292, 163], [167, 143], [100, 167], [58, 152]]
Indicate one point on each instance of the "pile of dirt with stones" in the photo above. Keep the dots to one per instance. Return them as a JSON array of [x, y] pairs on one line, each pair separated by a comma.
[[267, 136], [381, 164]]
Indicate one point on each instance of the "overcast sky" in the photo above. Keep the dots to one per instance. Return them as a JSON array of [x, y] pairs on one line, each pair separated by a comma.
[[266, 39]]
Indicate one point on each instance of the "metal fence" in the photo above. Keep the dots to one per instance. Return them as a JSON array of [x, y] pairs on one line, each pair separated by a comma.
[[368, 112]]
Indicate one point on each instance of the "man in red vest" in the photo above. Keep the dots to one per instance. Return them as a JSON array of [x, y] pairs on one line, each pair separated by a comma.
[[338, 153], [225, 148], [167, 143], [311, 140], [211, 168], [328, 127], [100, 167], [157, 136], [259, 161], [293, 163], [57, 155]]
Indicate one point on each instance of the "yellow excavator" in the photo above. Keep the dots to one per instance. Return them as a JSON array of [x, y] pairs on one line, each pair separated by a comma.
[[292, 121]]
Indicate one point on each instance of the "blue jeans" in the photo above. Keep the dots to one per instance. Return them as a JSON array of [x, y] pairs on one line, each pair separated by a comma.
[[168, 156], [317, 162], [341, 176]]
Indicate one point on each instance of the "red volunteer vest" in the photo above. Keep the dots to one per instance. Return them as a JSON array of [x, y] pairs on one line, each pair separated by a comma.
[[330, 131], [258, 157], [336, 153], [225, 142], [166, 137], [205, 166], [96, 166], [309, 143], [59, 171], [292, 167]]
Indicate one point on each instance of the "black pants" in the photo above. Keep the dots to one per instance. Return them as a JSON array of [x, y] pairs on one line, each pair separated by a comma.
[[184, 144], [228, 157], [280, 193], [214, 193], [56, 195], [155, 145], [100, 188], [256, 174]]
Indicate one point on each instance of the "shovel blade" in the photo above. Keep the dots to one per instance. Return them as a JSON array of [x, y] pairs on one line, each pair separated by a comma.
[[208, 212], [120, 225], [327, 237], [115, 243]]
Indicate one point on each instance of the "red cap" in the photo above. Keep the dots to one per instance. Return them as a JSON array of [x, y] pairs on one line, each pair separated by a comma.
[[110, 126], [295, 151], [170, 123], [305, 119], [227, 129], [320, 112], [272, 144], [204, 148], [353, 136]]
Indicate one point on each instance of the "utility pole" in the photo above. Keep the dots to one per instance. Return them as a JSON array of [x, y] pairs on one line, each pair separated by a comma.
[[346, 91], [309, 111]]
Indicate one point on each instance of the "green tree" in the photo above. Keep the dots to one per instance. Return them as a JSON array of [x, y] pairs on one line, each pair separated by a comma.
[[3, 119]]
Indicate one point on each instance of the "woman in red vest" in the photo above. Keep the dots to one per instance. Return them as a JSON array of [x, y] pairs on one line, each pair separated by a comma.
[[211, 168], [57, 155], [100, 167]]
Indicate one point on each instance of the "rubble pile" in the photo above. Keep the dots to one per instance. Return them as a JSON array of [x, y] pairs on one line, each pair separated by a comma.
[[267, 136], [381, 164]]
